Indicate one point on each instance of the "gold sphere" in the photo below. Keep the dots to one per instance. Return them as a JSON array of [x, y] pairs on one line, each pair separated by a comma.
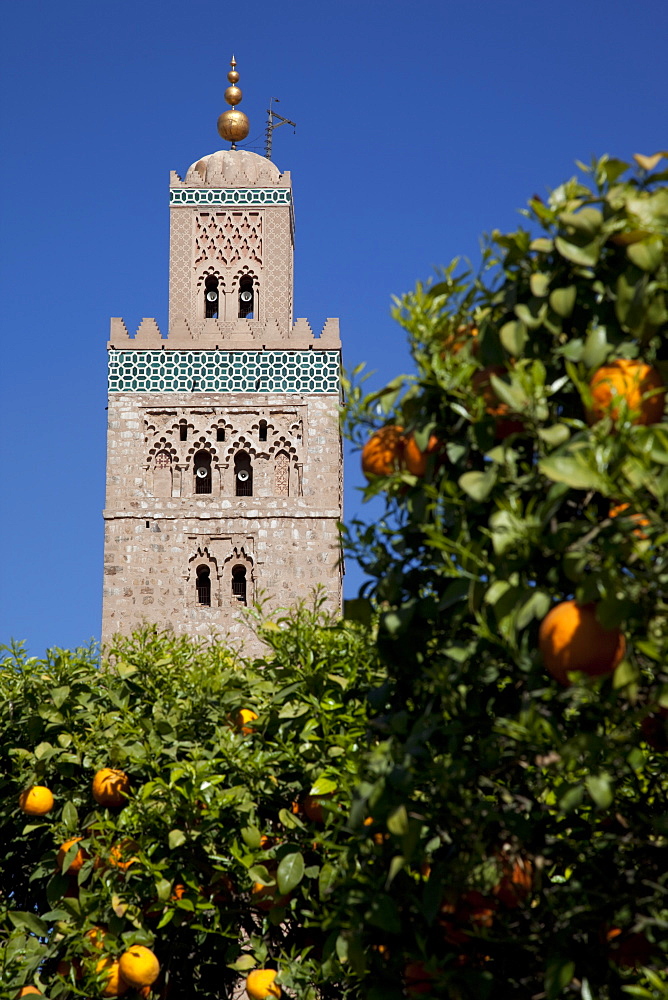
[[233, 76], [233, 125], [233, 95]]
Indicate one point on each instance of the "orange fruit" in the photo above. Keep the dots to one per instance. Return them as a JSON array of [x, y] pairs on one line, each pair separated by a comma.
[[516, 881], [260, 984], [641, 521], [243, 716], [79, 857], [95, 938], [120, 855], [418, 979], [313, 809], [630, 381], [416, 461], [571, 638], [36, 800], [504, 426], [628, 950], [111, 787], [466, 334], [263, 897], [382, 453], [27, 991], [113, 983], [139, 966]]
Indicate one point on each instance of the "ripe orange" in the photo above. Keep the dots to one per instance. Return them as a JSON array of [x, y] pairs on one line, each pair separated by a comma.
[[382, 453], [418, 979], [571, 638], [463, 915], [516, 881], [263, 897], [243, 716], [79, 857], [114, 984], [641, 521], [36, 801], [629, 951], [312, 806], [415, 460], [120, 855], [139, 966], [27, 991], [111, 787], [95, 938], [630, 381], [260, 984], [465, 335], [504, 426]]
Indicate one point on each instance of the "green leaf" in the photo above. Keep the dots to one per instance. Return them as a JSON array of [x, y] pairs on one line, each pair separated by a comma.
[[478, 485], [537, 607], [513, 336], [596, 347], [323, 786], [562, 300], [326, 880], [70, 816], [558, 975], [290, 872], [586, 255], [60, 695], [539, 284], [648, 254], [541, 245], [555, 435], [397, 823], [176, 839], [30, 921], [600, 789], [574, 470], [289, 820], [251, 837]]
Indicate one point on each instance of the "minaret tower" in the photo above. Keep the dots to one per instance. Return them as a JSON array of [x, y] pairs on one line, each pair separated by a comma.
[[224, 469]]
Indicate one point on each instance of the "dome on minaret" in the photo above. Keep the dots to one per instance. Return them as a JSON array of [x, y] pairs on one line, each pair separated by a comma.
[[233, 168]]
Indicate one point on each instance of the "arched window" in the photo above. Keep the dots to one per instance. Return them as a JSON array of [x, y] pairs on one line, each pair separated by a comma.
[[263, 430], [202, 467], [243, 474], [211, 297], [183, 431], [239, 583], [203, 584], [282, 475], [220, 433], [246, 298]]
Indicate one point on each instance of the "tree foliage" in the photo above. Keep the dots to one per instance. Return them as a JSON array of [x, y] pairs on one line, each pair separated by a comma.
[[420, 808]]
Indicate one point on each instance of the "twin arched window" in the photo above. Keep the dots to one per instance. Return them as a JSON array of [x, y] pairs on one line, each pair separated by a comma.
[[246, 298]]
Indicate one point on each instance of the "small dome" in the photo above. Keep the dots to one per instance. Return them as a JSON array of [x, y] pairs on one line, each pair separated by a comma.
[[233, 168]]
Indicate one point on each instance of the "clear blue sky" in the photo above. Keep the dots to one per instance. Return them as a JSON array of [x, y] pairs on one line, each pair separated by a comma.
[[420, 125]]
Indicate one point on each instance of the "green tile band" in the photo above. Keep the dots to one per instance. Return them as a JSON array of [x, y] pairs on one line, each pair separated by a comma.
[[229, 196], [224, 371]]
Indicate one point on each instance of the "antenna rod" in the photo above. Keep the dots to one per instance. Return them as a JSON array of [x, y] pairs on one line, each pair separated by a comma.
[[271, 126]]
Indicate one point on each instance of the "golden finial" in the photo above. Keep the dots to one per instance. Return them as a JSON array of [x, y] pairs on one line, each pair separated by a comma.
[[233, 125]]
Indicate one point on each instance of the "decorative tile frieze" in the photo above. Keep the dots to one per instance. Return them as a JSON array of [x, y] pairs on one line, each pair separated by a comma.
[[229, 196], [224, 371]]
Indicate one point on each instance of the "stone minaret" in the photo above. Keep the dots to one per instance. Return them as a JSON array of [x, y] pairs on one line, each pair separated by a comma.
[[224, 469]]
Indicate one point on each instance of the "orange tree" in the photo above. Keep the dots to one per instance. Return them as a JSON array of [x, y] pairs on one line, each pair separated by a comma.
[[523, 799], [217, 853]]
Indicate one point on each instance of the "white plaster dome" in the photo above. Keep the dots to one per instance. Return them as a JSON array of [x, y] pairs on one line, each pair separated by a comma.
[[233, 168]]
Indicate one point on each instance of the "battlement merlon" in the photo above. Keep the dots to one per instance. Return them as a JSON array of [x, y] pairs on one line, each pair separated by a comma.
[[231, 335]]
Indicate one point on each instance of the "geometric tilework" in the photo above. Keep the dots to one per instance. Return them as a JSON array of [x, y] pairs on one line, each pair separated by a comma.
[[229, 196], [224, 371]]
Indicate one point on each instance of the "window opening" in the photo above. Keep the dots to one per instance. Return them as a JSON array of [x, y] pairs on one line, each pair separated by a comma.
[[148, 524], [246, 298], [211, 297], [220, 434], [202, 466], [204, 586], [183, 432], [263, 430], [239, 583], [243, 474]]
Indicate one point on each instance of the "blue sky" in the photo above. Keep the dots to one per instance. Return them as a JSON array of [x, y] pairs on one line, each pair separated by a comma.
[[419, 127]]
